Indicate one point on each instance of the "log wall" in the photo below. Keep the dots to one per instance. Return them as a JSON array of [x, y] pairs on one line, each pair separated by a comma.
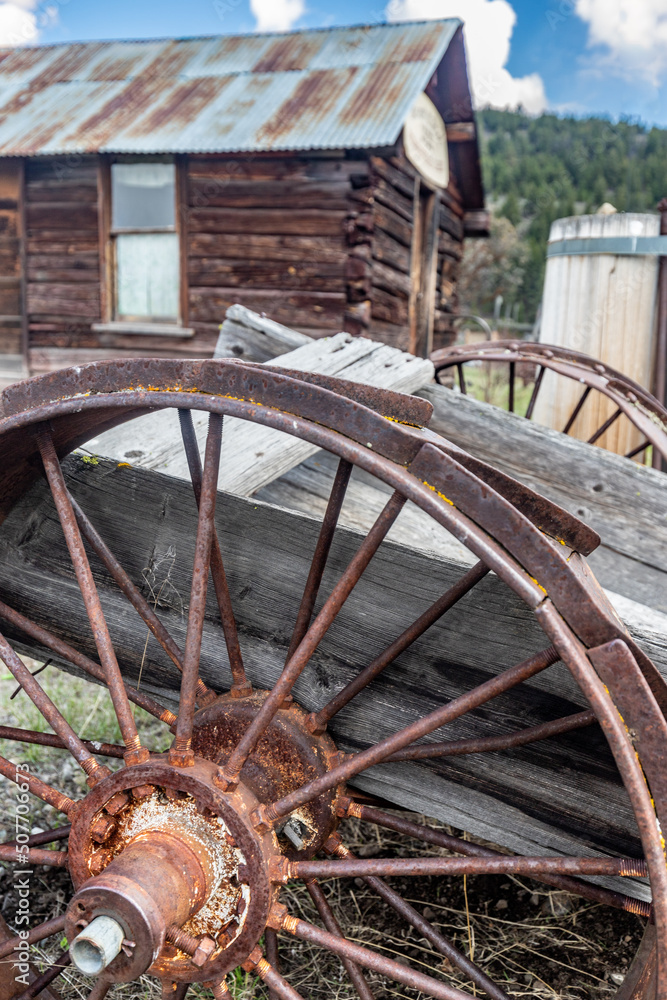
[[320, 244], [12, 343], [269, 233], [62, 254]]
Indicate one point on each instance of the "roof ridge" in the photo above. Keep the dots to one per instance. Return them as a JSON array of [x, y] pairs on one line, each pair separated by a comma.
[[241, 34]]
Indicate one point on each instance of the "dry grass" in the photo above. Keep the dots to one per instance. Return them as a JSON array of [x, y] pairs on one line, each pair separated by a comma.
[[532, 941]]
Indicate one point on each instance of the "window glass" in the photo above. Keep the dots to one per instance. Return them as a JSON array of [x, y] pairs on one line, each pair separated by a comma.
[[147, 276], [142, 195]]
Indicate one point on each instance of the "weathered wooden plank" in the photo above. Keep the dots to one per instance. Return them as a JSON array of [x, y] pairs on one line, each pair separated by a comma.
[[392, 198], [246, 335], [450, 222], [390, 333], [296, 222], [392, 223], [207, 192], [56, 245], [310, 274], [275, 167], [559, 796], [329, 249], [60, 171], [389, 279], [66, 298], [323, 309], [390, 252], [388, 307], [69, 274], [622, 501], [254, 455], [57, 192], [61, 217]]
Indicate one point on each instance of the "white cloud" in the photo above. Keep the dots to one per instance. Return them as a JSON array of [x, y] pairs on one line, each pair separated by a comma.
[[633, 34], [18, 23], [277, 15], [488, 27]]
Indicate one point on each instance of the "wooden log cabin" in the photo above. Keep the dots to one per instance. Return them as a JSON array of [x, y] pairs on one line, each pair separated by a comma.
[[325, 178]]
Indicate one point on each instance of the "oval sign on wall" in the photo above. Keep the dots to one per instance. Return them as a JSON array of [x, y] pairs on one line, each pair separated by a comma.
[[425, 141]]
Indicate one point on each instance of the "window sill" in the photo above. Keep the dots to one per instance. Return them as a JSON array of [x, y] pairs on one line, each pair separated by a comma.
[[144, 329]]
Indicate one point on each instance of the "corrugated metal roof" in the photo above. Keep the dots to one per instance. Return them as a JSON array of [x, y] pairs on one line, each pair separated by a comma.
[[340, 88]]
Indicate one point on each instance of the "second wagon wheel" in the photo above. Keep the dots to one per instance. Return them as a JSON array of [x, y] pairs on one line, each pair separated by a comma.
[[580, 387], [178, 859]]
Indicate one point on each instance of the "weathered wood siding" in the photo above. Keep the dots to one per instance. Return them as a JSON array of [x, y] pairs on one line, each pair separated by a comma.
[[11, 269], [450, 251], [320, 244], [270, 234], [396, 239], [62, 258]]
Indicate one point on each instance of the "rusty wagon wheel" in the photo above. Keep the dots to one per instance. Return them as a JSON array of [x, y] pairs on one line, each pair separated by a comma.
[[177, 859], [630, 400]]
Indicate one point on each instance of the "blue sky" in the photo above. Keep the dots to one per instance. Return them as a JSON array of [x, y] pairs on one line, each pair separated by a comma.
[[571, 56]]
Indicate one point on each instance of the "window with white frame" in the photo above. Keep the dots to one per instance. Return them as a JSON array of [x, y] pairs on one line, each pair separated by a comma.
[[145, 251]]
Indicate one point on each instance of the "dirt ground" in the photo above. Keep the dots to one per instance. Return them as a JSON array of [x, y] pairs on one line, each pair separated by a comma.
[[533, 942]]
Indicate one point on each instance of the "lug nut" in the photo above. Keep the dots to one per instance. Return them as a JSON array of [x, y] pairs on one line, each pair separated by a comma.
[[102, 828], [199, 949]]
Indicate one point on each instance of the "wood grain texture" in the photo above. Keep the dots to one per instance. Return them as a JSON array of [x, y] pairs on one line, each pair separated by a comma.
[[623, 502], [252, 455], [558, 796]]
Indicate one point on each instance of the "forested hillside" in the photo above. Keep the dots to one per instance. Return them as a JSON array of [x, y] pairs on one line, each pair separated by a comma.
[[540, 169]]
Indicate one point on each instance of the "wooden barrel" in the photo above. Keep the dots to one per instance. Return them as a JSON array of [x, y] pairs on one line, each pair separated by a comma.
[[600, 294]]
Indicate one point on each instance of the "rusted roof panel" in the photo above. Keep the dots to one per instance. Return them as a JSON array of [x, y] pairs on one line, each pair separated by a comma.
[[341, 88]]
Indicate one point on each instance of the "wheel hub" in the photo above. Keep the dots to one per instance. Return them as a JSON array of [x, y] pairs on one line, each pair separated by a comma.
[[176, 861]]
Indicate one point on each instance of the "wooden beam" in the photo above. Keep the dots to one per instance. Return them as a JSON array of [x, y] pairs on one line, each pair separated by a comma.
[[624, 502], [561, 796], [253, 455]]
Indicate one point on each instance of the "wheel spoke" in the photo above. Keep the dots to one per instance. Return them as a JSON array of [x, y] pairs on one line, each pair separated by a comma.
[[535, 392], [462, 381], [638, 449], [93, 769], [135, 752], [49, 740], [174, 991], [325, 538], [54, 926], [433, 720], [605, 426], [45, 837], [34, 855], [67, 652], [371, 960], [35, 988], [511, 386], [501, 865], [133, 594], [425, 928], [181, 751], [328, 919], [577, 410], [280, 987], [320, 719], [99, 990], [240, 685], [313, 637], [272, 957], [485, 744], [38, 787], [438, 838]]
